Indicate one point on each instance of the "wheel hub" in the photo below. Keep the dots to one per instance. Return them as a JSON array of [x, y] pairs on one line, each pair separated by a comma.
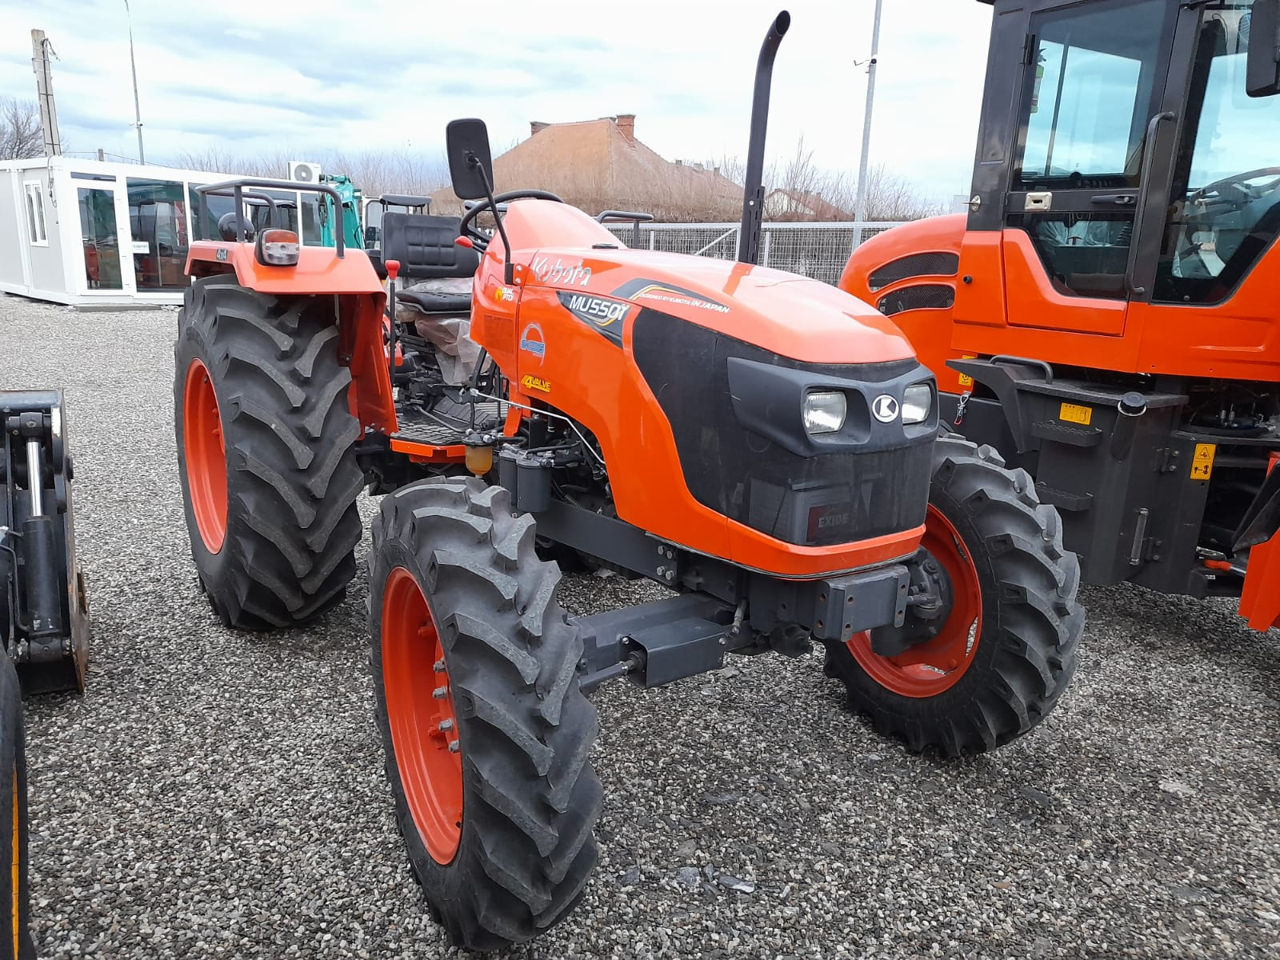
[[936, 646]]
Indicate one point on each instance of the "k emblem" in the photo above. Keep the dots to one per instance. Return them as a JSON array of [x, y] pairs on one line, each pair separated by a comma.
[[885, 408]]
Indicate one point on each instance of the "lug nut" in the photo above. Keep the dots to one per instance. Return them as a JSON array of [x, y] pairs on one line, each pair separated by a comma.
[[440, 692], [453, 746], [445, 725], [439, 665]]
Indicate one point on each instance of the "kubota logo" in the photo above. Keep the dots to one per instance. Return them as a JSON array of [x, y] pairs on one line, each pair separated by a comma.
[[885, 408]]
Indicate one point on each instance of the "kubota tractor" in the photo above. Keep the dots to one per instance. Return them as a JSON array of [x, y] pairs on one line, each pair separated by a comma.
[[1107, 315], [764, 445]]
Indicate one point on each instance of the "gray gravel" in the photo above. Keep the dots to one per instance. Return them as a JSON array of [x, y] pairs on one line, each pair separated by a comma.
[[215, 794]]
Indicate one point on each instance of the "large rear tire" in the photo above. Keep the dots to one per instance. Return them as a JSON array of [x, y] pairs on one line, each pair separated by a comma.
[[486, 733], [1008, 648], [265, 453], [15, 911]]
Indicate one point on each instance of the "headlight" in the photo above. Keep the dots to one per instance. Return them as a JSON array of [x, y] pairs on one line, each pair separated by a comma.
[[917, 401], [824, 411]]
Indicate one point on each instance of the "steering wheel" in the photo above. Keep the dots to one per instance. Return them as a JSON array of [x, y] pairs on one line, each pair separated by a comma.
[[1238, 184], [468, 228]]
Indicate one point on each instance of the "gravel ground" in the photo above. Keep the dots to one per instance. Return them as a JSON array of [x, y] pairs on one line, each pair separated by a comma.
[[216, 794]]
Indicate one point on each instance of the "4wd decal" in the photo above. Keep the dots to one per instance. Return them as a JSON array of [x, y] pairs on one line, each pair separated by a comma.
[[602, 313], [667, 293], [570, 274]]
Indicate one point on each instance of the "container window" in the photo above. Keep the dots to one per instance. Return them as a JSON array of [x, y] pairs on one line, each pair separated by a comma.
[[36, 231]]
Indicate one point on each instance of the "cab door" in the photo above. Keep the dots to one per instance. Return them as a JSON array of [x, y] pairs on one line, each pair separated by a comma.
[[1094, 79]]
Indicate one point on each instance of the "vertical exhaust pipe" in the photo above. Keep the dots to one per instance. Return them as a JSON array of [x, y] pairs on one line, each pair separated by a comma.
[[753, 198]]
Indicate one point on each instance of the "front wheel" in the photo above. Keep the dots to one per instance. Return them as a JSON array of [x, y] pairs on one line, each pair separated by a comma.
[[1007, 649], [487, 735]]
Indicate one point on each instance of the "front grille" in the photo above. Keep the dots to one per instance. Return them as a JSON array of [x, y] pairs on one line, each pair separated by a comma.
[[855, 492]]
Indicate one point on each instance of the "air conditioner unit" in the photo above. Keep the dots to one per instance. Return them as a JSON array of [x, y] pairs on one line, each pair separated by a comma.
[[304, 172]]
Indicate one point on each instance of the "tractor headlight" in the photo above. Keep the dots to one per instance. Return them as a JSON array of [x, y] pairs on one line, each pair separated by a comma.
[[917, 402], [824, 411]]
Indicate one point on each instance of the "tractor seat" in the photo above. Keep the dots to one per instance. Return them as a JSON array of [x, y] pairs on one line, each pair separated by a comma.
[[443, 295], [425, 248]]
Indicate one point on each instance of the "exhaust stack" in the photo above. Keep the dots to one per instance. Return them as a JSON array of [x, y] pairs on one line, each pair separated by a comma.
[[753, 194]]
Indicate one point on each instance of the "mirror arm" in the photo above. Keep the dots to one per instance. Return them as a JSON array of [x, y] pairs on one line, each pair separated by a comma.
[[508, 268]]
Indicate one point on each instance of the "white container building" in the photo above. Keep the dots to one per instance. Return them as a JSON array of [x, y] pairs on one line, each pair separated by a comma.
[[91, 232]]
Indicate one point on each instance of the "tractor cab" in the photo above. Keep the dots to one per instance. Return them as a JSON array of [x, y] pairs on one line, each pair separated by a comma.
[[1108, 302], [1129, 156]]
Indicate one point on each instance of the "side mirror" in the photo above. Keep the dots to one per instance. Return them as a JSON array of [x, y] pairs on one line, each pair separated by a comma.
[[1262, 77], [470, 164]]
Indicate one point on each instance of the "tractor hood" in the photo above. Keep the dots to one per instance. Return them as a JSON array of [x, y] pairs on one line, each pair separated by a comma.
[[559, 247]]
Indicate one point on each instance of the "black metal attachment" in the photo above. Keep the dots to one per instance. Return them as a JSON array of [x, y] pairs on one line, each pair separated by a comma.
[[43, 613]]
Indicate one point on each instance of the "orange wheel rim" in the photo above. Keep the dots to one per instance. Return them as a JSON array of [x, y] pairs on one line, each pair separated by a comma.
[[16, 844], [424, 727], [936, 665], [205, 452]]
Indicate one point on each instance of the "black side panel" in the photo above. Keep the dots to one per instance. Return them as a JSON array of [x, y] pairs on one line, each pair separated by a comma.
[[849, 491], [935, 264], [920, 296]]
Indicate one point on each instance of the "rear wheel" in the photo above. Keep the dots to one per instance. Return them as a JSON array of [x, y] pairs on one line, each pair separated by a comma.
[[265, 453], [487, 736], [1004, 655]]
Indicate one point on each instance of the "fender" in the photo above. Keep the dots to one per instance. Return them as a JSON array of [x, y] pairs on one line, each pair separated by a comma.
[[359, 305]]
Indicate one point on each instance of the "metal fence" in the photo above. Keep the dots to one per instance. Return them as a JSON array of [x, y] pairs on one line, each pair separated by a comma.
[[817, 250]]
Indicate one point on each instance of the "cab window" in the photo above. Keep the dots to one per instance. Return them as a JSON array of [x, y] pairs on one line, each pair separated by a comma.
[[1225, 205]]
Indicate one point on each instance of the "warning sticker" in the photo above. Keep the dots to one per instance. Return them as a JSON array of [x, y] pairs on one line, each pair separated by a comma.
[[1076, 413], [965, 379], [1202, 462]]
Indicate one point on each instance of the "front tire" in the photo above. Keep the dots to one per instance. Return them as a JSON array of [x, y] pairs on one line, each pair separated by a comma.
[[266, 453], [487, 736], [1008, 648]]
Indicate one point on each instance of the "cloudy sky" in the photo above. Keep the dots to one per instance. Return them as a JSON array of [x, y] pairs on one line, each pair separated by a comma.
[[253, 76]]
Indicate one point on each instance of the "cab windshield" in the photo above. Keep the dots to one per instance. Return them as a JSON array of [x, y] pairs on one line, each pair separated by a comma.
[[1225, 206]]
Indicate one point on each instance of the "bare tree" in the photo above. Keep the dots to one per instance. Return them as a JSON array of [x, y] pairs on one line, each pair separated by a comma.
[[374, 172], [891, 197], [20, 133]]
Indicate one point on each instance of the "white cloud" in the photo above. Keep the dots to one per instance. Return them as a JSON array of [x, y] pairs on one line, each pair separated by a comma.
[[331, 75]]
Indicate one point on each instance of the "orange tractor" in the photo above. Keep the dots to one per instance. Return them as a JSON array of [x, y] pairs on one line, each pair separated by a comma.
[[1107, 313], [764, 445]]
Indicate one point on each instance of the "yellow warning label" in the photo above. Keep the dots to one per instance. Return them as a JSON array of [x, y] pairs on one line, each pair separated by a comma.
[[1202, 462], [965, 379], [530, 382], [1075, 413]]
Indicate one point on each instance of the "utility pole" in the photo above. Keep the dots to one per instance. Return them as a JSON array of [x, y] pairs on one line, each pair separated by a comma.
[[866, 120], [40, 50], [137, 110]]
